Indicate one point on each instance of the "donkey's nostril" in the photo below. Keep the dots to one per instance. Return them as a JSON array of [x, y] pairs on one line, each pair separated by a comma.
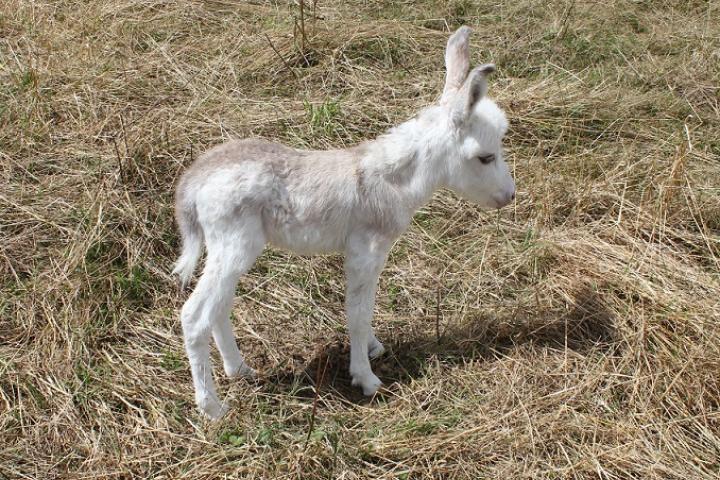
[[512, 197]]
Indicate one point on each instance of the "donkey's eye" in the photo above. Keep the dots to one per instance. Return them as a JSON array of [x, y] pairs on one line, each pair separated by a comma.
[[486, 159]]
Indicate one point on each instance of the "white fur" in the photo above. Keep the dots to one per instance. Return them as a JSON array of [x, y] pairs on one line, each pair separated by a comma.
[[242, 195]]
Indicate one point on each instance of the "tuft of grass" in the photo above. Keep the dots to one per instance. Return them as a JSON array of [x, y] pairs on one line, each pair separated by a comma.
[[323, 118]]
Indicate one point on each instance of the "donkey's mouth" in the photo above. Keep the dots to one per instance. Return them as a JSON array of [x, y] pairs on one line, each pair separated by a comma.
[[503, 200]]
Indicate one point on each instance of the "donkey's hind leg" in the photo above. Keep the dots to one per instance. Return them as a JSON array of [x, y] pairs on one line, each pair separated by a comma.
[[230, 254], [233, 361]]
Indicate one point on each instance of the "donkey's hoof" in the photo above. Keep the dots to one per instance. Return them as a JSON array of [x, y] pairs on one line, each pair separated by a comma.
[[212, 408], [369, 383], [375, 349], [240, 371]]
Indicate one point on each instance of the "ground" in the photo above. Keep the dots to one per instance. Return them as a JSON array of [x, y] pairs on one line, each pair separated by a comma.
[[573, 334]]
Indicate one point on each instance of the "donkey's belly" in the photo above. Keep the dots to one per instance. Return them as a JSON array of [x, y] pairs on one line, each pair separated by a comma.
[[307, 239]]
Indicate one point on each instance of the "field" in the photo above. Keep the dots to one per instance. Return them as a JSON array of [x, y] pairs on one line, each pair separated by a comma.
[[573, 334]]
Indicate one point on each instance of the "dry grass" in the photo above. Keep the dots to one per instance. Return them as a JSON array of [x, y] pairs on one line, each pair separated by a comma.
[[573, 335]]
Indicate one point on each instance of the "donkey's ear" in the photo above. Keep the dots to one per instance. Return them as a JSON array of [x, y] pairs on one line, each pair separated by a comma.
[[477, 82], [457, 62], [474, 89]]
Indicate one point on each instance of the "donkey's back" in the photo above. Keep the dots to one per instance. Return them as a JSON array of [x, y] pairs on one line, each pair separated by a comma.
[[302, 200]]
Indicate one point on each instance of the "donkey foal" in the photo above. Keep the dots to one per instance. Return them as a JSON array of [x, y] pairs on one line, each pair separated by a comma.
[[241, 195]]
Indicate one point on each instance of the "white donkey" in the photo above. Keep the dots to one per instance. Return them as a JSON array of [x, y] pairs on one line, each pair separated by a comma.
[[243, 194]]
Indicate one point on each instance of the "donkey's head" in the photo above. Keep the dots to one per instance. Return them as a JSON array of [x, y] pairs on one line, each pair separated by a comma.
[[476, 168]]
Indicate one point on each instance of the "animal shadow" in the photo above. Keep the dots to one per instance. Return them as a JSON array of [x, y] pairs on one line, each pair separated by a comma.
[[586, 325]]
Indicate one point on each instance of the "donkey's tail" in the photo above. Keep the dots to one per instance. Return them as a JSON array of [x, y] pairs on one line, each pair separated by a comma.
[[191, 233]]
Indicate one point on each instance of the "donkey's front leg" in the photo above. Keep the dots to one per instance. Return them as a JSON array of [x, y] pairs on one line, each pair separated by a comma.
[[363, 262], [375, 348]]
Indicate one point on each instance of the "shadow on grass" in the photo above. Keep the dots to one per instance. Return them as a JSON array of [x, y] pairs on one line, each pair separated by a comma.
[[587, 326]]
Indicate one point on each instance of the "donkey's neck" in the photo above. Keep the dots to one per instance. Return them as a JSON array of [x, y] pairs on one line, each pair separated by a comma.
[[410, 160]]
